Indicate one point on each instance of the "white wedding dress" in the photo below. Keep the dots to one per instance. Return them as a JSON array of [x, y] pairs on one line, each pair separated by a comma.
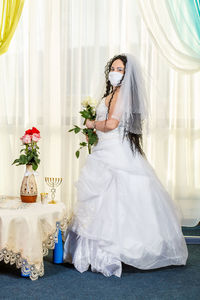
[[123, 213]]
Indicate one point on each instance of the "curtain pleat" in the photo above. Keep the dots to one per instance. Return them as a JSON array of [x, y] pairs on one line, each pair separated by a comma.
[[10, 12], [186, 19]]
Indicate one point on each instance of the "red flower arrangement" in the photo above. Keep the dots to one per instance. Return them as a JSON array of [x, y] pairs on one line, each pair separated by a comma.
[[30, 156]]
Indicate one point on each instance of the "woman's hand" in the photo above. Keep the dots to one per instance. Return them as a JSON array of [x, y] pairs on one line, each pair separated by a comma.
[[89, 124], [87, 139]]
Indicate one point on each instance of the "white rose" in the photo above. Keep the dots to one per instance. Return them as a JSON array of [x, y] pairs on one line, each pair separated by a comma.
[[93, 103], [89, 101], [85, 102]]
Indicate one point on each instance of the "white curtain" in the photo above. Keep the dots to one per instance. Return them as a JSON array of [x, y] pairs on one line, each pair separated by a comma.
[[56, 58], [181, 104]]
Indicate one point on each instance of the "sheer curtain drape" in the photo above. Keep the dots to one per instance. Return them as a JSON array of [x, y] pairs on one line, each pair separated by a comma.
[[10, 12], [168, 25], [172, 26], [56, 58]]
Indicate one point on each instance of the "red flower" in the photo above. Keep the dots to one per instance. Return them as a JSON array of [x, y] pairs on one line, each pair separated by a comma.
[[32, 131], [35, 130], [29, 131]]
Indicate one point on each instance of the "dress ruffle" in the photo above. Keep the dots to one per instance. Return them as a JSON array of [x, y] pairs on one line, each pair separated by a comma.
[[83, 252], [119, 217]]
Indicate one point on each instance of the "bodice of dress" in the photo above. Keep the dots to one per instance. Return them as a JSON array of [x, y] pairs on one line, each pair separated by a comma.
[[101, 112]]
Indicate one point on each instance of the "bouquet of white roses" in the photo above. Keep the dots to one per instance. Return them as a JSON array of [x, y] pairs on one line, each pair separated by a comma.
[[88, 112]]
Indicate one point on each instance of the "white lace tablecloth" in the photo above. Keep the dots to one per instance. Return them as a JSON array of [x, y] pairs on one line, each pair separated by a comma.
[[27, 231]]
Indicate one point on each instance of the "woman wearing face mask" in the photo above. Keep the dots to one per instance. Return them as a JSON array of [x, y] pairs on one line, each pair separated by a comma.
[[123, 213]]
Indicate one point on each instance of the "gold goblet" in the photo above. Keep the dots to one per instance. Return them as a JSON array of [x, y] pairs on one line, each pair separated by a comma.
[[53, 183]]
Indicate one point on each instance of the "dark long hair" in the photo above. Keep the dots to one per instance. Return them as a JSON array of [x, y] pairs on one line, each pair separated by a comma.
[[133, 138]]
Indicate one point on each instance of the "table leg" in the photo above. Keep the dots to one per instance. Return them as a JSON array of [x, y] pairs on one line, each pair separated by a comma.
[[58, 250]]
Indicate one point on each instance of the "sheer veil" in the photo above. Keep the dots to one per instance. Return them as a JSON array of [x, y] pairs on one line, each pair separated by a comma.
[[131, 107]]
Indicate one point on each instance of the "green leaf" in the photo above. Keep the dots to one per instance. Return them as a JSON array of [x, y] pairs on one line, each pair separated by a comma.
[[23, 159], [29, 157], [85, 114], [35, 166], [77, 153], [85, 131], [83, 144], [37, 160], [15, 161], [77, 129], [92, 138]]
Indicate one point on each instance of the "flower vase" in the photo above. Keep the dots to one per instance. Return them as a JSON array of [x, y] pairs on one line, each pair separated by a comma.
[[28, 191]]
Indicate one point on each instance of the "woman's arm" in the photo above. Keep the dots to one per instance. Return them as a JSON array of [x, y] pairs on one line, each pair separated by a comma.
[[110, 123], [105, 125]]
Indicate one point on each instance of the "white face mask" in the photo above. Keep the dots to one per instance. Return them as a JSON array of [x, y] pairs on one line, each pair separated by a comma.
[[115, 78]]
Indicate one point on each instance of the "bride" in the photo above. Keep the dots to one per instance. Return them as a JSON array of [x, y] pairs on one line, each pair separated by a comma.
[[123, 213]]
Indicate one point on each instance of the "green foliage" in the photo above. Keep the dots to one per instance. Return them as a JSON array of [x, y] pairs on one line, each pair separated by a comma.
[[83, 144], [76, 129], [30, 156], [85, 114], [88, 113]]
